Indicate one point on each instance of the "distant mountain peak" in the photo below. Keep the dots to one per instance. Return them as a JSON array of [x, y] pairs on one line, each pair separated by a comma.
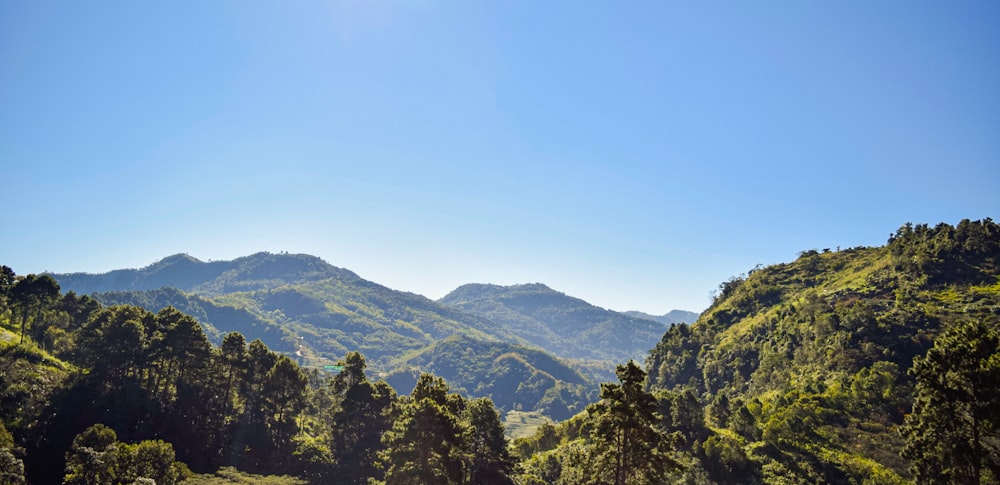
[[257, 271], [179, 258]]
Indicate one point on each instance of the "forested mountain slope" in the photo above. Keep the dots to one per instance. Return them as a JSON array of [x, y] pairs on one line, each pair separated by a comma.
[[316, 313], [93, 394], [513, 376], [872, 365], [566, 326], [255, 272], [805, 370], [293, 302]]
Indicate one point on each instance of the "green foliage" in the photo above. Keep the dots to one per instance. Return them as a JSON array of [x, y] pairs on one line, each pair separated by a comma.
[[490, 462], [513, 376], [232, 476], [357, 426], [628, 445], [953, 434], [93, 457], [801, 368], [619, 440], [158, 382], [425, 442], [11, 465]]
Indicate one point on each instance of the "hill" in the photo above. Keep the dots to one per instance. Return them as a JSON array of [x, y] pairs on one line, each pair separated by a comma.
[[316, 313], [515, 377], [804, 370], [293, 302], [869, 365], [566, 326], [255, 272]]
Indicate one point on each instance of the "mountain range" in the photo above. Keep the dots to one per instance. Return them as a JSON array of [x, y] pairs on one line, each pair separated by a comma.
[[301, 305]]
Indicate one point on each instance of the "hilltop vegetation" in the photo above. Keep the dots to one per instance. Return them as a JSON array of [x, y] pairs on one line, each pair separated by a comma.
[[868, 365], [805, 371]]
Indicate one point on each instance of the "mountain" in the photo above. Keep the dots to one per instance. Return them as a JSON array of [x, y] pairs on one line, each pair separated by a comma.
[[306, 308], [868, 365], [670, 318], [566, 326], [514, 376], [294, 302], [255, 272], [805, 370]]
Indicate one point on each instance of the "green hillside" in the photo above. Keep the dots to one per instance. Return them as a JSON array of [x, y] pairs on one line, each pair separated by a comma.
[[316, 313], [804, 369], [566, 326], [295, 303], [255, 272], [93, 394], [513, 376], [872, 365]]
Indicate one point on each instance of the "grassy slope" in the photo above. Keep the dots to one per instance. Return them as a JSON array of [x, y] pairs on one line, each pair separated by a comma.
[[818, 349]]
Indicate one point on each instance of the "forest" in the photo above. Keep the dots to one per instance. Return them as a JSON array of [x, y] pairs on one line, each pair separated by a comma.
[[862, 365]]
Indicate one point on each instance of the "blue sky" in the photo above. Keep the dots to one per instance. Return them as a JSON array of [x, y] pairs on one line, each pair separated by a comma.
[[634, 154]]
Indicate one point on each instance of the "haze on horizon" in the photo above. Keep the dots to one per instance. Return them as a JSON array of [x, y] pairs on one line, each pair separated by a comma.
[[634, 155]]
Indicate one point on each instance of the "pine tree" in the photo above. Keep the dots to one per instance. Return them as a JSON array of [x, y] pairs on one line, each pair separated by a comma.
[[490, 462], [629, 447], [360, 421], [953, 433], [425, 443]]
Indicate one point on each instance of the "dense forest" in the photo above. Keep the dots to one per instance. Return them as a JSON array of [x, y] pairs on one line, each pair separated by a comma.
[[863, 365]]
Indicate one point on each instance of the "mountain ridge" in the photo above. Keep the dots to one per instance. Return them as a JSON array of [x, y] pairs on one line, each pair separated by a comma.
[[568, 326], [306, 308]]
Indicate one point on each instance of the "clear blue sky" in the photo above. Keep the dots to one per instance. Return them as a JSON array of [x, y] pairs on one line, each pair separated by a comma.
[[634, 154]]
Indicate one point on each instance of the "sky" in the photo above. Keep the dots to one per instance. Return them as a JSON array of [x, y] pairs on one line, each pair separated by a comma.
[[633, 154]]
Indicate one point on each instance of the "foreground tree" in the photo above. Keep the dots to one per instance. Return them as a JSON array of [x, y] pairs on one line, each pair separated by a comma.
[[97, 458], [31, 295], [425, 443], [356, 428], [628, 446], [953, 433], [93, 457], [490, 462]]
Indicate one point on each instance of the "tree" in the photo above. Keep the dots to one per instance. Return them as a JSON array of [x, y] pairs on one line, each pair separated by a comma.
[[113, 343], [356, 428], [151, 459], [233, 355], [284, 394], [97, 458], [93, 457], [177, 348], [953, 433], [425, 443], [32, 295], [490, 461], [629, 447]]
